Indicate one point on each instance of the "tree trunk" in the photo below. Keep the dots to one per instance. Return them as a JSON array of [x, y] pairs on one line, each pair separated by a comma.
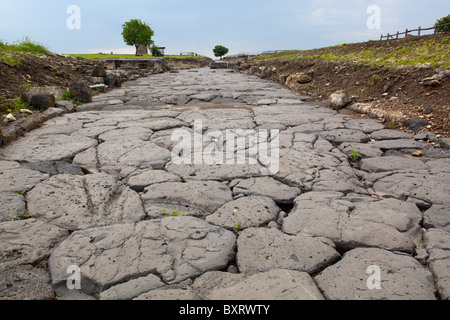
[[137, 47]]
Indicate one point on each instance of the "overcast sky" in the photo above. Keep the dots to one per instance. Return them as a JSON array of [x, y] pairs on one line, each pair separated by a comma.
[[199, 25]]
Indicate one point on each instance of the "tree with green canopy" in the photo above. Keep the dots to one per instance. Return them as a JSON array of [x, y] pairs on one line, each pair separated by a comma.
[[220, 51], [137, 33]]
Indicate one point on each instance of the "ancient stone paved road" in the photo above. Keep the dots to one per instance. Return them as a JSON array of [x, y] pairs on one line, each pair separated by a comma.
[[98, 184]]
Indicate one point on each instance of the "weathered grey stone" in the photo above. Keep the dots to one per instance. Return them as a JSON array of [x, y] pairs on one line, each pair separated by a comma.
[[139, 181], [419, 186], [42, 101], [250, 211], [267, 187], [80, 202], [398, 144], [392, 163], [339, 136], [205, 96], [47, 148], [219, 172], [54, 112], [169, 294], [277, 284], [15, 178], [54, 167], [132, 153], [365, 150], [365, 125], [261, 249], [437, 243], [338, 100], [191, 198], [330, 215], [402, 277], [27, 241], [174, 249], [11, 205], [130, 289], [438, 216], [155, 124], [25, 282], [387, 134], [80, 91]]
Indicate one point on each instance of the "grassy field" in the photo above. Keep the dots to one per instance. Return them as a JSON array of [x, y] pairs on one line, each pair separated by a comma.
[[12, 54], [432, 51], [127, 56]]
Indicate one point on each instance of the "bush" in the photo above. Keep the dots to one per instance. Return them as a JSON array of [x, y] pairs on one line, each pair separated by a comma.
[[441, 24]]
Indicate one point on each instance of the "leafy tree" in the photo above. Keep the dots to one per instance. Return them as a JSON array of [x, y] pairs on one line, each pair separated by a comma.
[[440, 24], [137, 33], [155, 51], [220, 51]]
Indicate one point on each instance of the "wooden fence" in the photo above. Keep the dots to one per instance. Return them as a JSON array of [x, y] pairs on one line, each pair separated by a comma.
[[419, 32]]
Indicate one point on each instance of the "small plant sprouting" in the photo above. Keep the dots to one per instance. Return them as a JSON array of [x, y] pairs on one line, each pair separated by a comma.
[[126, 92], [175, 213], [23, 216], [354, 156], [237, 228]]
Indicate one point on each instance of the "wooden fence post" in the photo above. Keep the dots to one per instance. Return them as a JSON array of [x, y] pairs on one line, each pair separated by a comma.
[[435, 28], [419, 30], [406, 33]]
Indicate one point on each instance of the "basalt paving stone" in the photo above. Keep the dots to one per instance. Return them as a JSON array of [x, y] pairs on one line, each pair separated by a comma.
[[47, 147], [28, 241], [261, 249], [173, 249], [437, 243], [371, 212], [11, 205], [253, 211], [401, 277], [82, 202], [393, 224], [196, 198]]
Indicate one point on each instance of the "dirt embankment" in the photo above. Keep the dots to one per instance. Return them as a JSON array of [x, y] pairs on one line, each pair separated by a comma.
[[394, 89]]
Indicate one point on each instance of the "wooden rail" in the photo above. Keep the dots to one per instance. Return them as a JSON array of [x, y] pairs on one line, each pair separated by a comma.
[[419, 32]]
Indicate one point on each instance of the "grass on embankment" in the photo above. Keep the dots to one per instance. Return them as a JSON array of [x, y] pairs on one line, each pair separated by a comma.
[[13, 54], [128, 56], [431, 51]]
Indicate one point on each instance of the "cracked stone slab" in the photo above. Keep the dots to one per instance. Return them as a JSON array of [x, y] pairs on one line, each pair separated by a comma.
[[437, 243], [27, 241], [392, 163], [399, 144], [173, 249], [16, 178], [364, 125], [11, 205], [114, 156], [223, 172], [387, 134], [261, 249], [276, 284], [438, 216], [418, 187], [402, 277], [24, 282], [266, 187], [47, 148], [142, 180], [80, 202], [131, 133], [339, 136], [196, 198], [350, 225], [251, 211]]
